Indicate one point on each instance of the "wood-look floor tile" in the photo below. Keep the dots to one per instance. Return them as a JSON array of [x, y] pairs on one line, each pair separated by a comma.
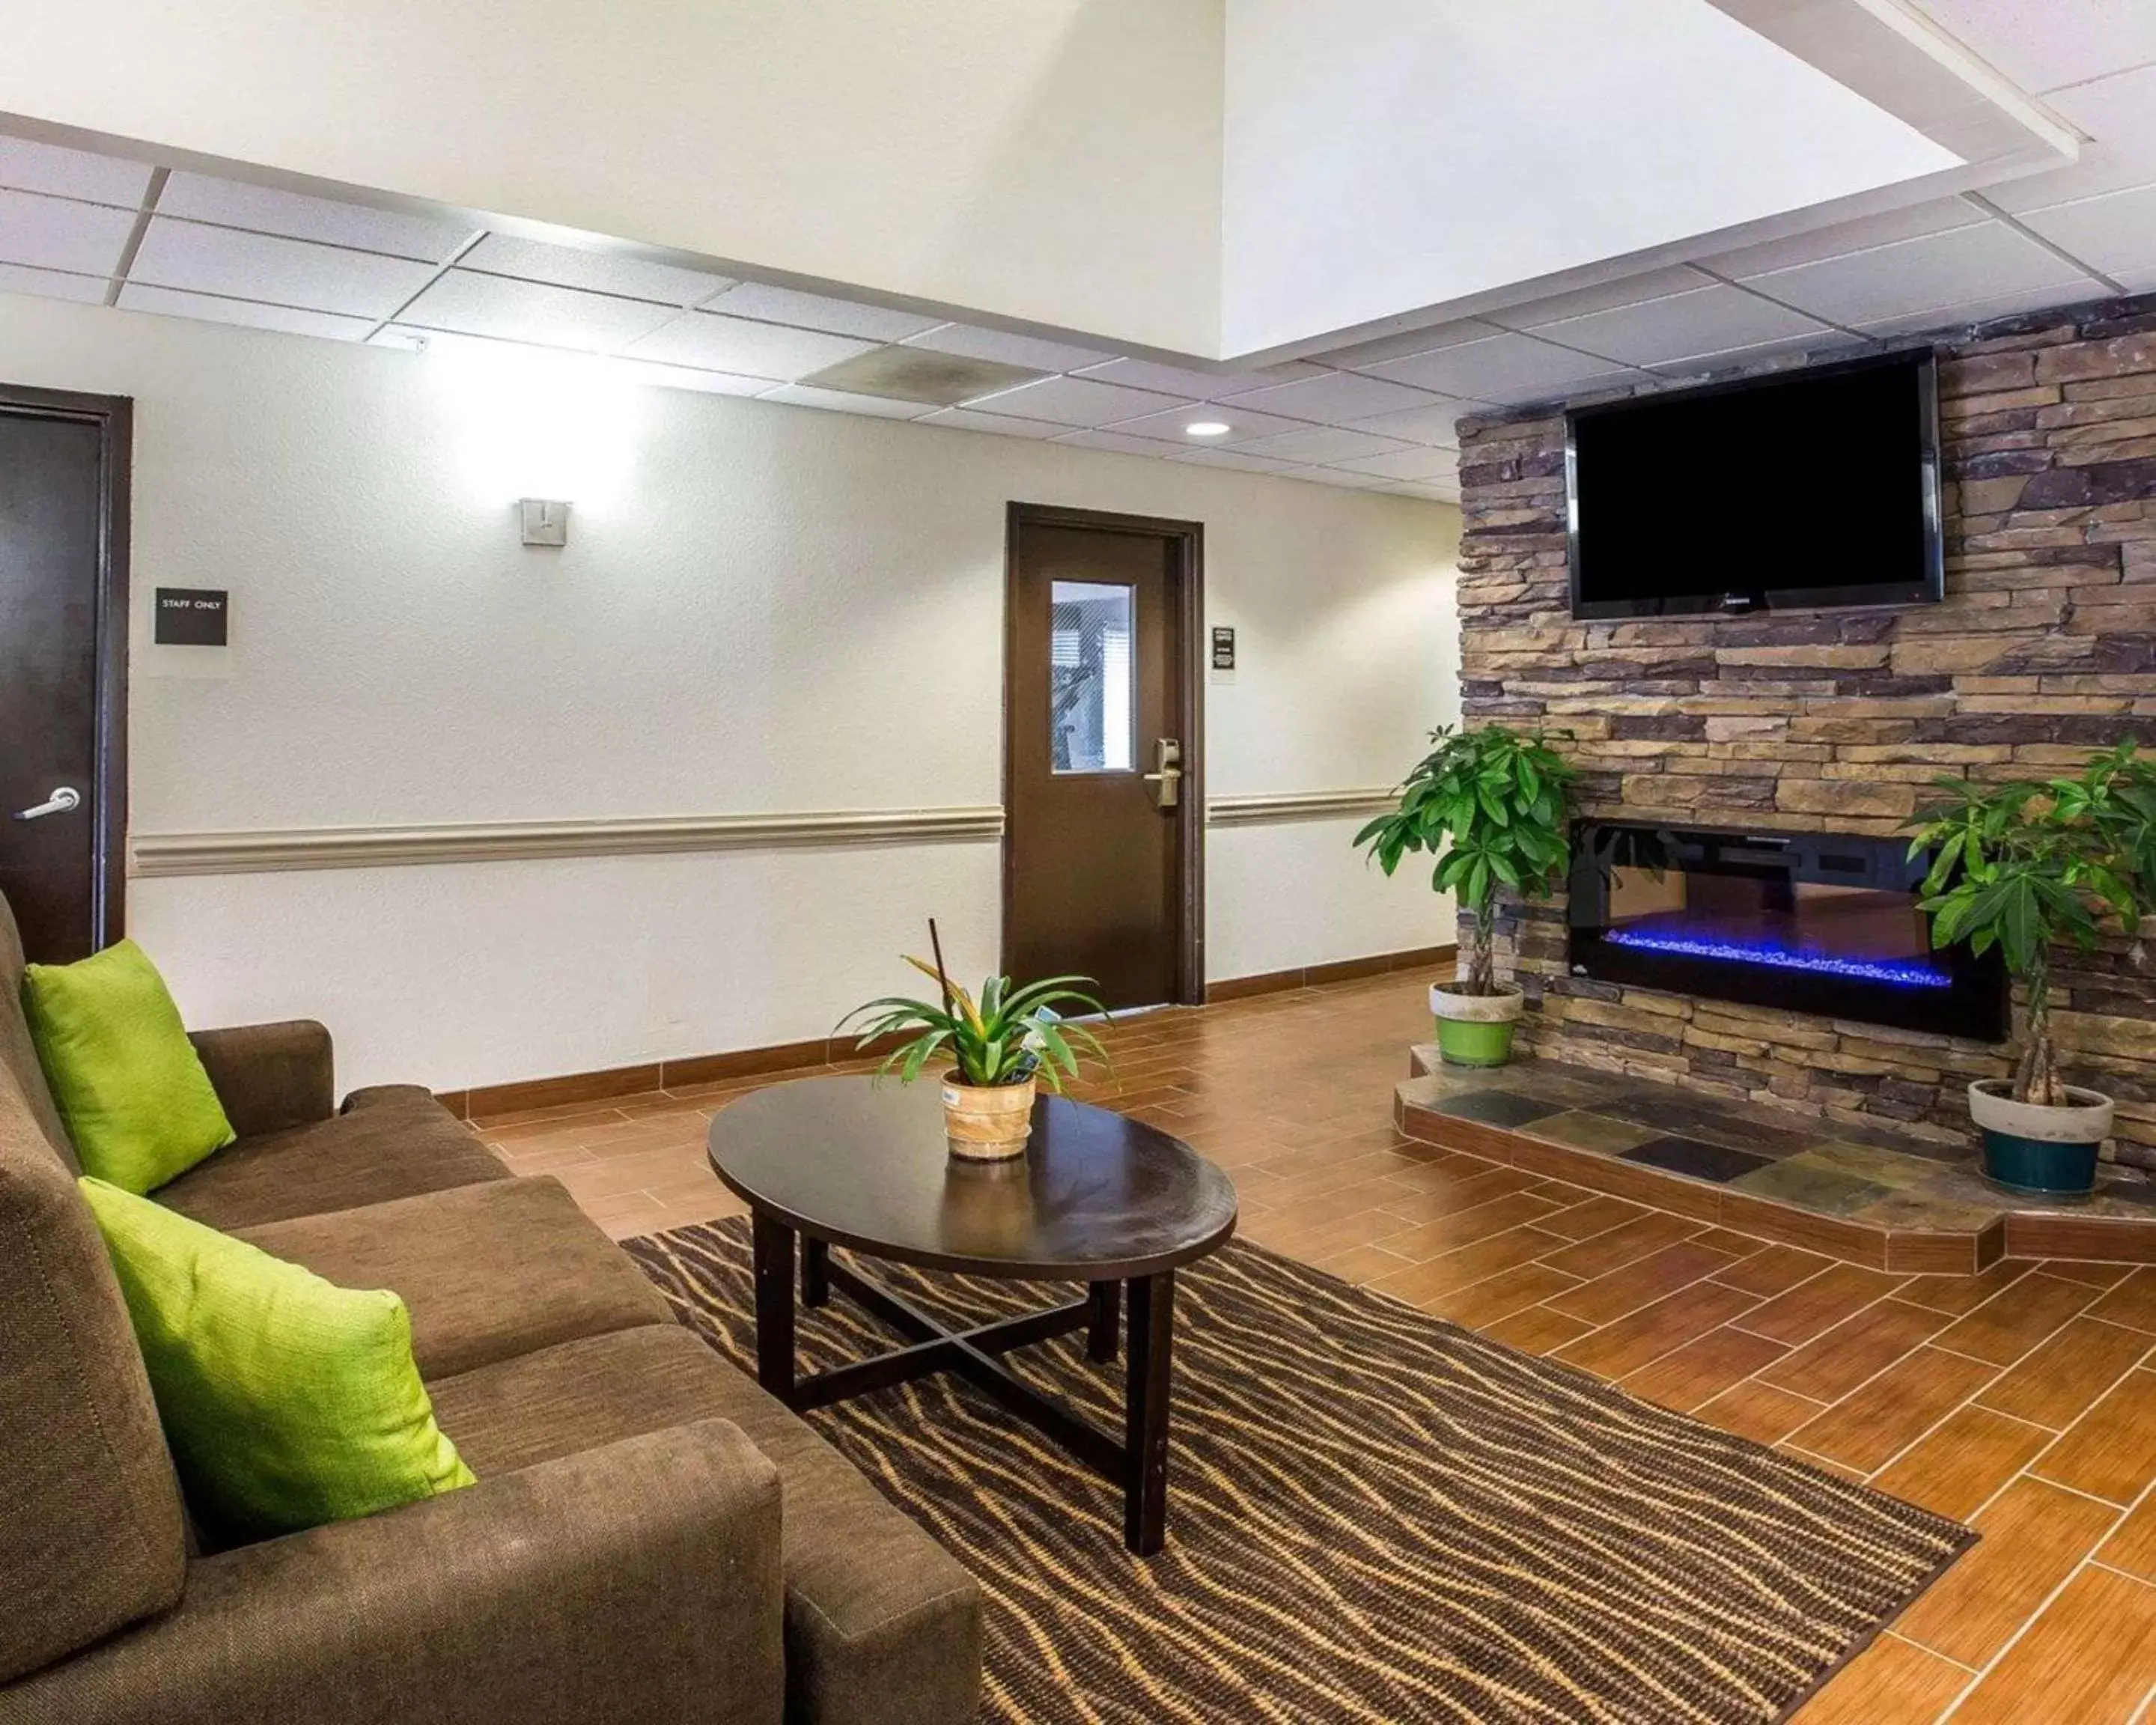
[[2133, 1302], [2132, 1546], [2033, 1535], [1536, 1329], [2089, 1660], [1729, 1240], [1622, 1347], [1461, 1227], [1608, 1298], [1773, 1271], [1700, 1370], [1598, 1215], [1891, 1682], [1839, 1291], [1830, 1365], [2004, 1328], [1960, 1466], [1958, 1295], [1361, 1263], [2096, 1276], [1869, 1428], [2059, 1381], [2110, 1451], [1481, 1303], [1759, 1411], [1433, 1276], [1620, 1245]]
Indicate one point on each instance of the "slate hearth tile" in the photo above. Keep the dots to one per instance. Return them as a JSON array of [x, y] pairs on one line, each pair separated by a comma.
[[1690, 1117], [1495, 1107], [1811, 1185], [1696, 1158], [1580, 1129], [1861, 1162]]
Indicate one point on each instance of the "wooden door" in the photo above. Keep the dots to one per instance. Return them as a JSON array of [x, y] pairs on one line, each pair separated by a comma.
[[1101, 843], [63, 635]]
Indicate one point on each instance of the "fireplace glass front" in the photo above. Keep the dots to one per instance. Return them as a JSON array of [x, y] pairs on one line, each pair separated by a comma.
[[1820, 923]]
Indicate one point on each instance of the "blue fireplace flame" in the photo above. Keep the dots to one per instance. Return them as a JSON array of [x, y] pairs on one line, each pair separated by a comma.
[[1896, 972]]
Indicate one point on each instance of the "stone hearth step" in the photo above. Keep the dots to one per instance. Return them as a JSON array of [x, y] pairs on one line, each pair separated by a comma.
[[1869, 1198]]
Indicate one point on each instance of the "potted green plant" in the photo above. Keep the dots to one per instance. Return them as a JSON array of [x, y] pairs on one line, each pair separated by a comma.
[[1000, 1046], [2025, 867], [1490, 804]]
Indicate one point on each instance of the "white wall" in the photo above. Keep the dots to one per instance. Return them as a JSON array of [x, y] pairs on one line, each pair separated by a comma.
[[975, 153], [1383, 155], [761, 608]]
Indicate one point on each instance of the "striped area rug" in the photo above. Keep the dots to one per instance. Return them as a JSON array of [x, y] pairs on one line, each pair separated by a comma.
[[1373, 1516]]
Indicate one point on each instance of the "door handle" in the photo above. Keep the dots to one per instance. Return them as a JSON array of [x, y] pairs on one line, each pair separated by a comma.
[[63, 798], [1167, 777]]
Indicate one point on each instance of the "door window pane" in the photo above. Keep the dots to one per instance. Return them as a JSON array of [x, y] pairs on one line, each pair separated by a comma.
[[1090, 685]]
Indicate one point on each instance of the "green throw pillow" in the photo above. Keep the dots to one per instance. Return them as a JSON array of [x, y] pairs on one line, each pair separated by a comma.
[[131, 1087], [287, 1402]]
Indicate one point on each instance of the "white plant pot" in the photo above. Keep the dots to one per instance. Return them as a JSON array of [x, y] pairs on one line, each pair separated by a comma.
[[2086, 1121]]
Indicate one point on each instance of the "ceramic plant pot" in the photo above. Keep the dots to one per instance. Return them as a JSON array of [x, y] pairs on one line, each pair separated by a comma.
[[1475, 1029], [2034, 1148], [987, 1122]]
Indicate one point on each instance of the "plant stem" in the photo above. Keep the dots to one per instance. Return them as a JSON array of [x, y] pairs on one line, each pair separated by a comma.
[[942, 979], [1481, 953], [2037, 1080]]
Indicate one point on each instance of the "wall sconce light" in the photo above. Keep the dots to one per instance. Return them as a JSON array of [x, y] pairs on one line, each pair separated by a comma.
[[544, 522]]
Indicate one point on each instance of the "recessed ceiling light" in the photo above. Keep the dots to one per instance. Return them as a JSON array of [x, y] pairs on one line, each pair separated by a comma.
[[1207, 428]]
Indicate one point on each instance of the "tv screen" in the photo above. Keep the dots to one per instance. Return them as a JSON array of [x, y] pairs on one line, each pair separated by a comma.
[[1818, 487]]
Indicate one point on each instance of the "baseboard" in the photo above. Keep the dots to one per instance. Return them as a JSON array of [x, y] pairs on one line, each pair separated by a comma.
[[1342, 970]]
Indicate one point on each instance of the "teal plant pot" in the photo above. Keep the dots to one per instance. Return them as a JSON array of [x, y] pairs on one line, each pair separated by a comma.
[[2050, 1152], [1475, 1029]]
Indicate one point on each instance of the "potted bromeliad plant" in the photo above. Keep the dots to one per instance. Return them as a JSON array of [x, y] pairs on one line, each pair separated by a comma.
[[1000, 1048], [2025, 868], [1490, 804]]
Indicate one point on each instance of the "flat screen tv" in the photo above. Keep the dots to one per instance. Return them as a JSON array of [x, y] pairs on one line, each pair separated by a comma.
[[1812, 488]]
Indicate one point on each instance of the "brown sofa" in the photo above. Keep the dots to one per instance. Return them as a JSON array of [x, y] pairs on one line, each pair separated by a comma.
[[652, 1538]]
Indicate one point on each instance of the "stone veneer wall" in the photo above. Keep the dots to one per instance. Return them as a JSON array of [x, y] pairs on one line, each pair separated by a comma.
[[2044, 649]]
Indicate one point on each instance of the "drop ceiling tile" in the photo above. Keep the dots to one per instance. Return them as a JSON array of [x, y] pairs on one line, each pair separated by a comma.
[[2115, 234], [1326, 443], [1115, 440], [637, 371], [57, 233], [266, 209], [1706, 320], [1971, 311], [30, 166], [2041, 44], [1242, 425], [1437, 424], [1074, 401], [814, 311], [1404, 342], [1417, 464], [1336, 477], [2119, 115], [500, 306], [1940, 216], [1505, 368], [599, 272], [735, 344], [1585, 302], [53, 284], [1001, 424], [1241, 460], [281, 272], [135, 297], [1170, 380], [1042, 356], [1889, 281], [1332, 398], [840, 401]]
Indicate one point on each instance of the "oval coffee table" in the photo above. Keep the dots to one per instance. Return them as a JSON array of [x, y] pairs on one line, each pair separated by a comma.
[[1096, 1199]]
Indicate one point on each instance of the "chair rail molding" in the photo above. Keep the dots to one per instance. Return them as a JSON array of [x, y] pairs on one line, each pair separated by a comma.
[[1299, 805]]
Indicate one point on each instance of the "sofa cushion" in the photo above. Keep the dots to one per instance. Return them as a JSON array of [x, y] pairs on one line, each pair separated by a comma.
[[19, 1054], [92, 1537], [393, 1142], [881, 1623], [489, 1271]]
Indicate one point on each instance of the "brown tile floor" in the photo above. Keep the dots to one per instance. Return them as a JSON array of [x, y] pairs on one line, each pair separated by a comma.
[[2022, 1400]]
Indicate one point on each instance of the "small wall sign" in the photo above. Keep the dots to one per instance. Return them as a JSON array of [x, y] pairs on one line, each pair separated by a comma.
[[1223, 649], [190, 616]]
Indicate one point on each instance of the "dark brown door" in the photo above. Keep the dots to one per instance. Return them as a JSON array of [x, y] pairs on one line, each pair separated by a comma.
[[1101, 846], [63, 622]]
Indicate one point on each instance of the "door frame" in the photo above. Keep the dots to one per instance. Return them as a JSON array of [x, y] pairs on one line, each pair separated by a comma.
[[114, 417], [1186, 601]]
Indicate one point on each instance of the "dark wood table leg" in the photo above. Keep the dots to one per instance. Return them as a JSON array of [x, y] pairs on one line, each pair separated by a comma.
[[815, 1271], [1145, 1417], [774, 1306], [1106, 1300]]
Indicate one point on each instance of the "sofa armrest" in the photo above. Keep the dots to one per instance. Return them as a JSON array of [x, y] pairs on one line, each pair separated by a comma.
[[632, 1584], [270, 1076]]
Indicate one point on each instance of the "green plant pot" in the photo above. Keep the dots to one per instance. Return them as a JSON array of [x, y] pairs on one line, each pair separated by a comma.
[[1475, 1029], [2047, 1151]]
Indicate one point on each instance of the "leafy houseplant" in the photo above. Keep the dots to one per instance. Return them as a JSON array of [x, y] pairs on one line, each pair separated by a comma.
[[1490, 804], [998, 1045], [2024, 867]]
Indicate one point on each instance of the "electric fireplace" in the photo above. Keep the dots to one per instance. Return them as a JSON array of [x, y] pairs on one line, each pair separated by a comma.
[[1815, 922]]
